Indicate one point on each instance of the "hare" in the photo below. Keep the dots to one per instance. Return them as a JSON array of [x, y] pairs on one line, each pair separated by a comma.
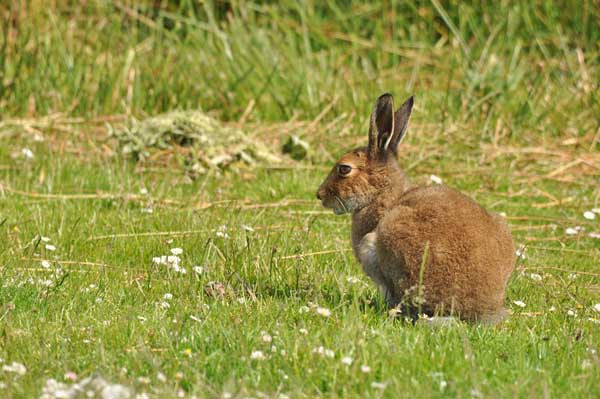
[[431, 250]]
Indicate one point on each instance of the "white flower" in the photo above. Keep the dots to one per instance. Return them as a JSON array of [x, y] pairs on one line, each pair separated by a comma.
[[353, 279], [378, 385], [571, 313], [365, 369], [45, 239], [443, 385], [303, 331], [520, 304], [15, 367], [520, 252], [115, 391], [570, 231], [144, 191], [147, 210], [27, 153], [535, 277], [176, 251], [552, 308], [435, 179], [257, 355], [589, 215], [597, 307], [198, 269], [347, 360], [323, 312], [168, 296], [594, 235], [50, 247], [266, 337], [159, 260], [324, 352], [247, 228], [46, 264], [173, 260], [165, 305], [161, 377]]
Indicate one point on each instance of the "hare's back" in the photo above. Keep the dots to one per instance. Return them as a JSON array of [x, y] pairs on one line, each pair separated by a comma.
[[455, 228]]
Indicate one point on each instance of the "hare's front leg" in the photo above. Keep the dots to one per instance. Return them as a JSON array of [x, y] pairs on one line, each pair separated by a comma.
[[367, 256]]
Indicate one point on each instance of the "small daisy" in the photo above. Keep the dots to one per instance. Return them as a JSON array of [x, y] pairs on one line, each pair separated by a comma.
[[168, 296], [71, 376], [50, 247], [535, 277], [45, 239], [27, 153], [303, 331], [176, 251], [15, 367], [589, 215], [161, 377], [347, 360], [257, 355], [520, 252], [353, 280], [571, 313], [570, 231], [198, 269], [266, 337], [520, 304], [323, 312], [435, 179], [365, 369], [247, 228], [46, 264]]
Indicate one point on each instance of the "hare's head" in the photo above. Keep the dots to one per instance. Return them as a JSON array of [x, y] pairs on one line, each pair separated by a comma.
[[360, 175]]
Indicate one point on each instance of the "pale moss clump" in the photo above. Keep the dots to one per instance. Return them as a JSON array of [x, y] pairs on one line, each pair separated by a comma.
[[207, 142]]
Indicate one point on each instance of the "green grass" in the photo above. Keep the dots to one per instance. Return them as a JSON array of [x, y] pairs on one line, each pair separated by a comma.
[[506, 111]]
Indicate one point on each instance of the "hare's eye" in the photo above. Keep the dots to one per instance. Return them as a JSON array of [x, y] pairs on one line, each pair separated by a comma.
[[344, 170]]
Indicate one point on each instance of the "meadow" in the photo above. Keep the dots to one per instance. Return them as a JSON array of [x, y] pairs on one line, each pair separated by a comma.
[[159, 281]]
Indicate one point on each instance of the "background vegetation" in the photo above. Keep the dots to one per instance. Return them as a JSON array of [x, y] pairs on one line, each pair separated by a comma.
[[271, 303]]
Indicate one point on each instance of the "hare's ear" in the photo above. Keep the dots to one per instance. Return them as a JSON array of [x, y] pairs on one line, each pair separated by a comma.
[[401, 117], [382, 125]]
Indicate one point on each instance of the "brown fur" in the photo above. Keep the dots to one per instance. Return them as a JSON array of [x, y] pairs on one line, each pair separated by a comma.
[[469, 253]]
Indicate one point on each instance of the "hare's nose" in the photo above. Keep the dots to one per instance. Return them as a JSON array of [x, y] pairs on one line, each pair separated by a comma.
[[318, 195]]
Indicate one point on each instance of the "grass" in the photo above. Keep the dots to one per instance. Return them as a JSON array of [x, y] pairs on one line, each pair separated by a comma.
[[506, 111]]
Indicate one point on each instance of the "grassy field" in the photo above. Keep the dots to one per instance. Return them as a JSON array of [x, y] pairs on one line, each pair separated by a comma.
[[267, 299]]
